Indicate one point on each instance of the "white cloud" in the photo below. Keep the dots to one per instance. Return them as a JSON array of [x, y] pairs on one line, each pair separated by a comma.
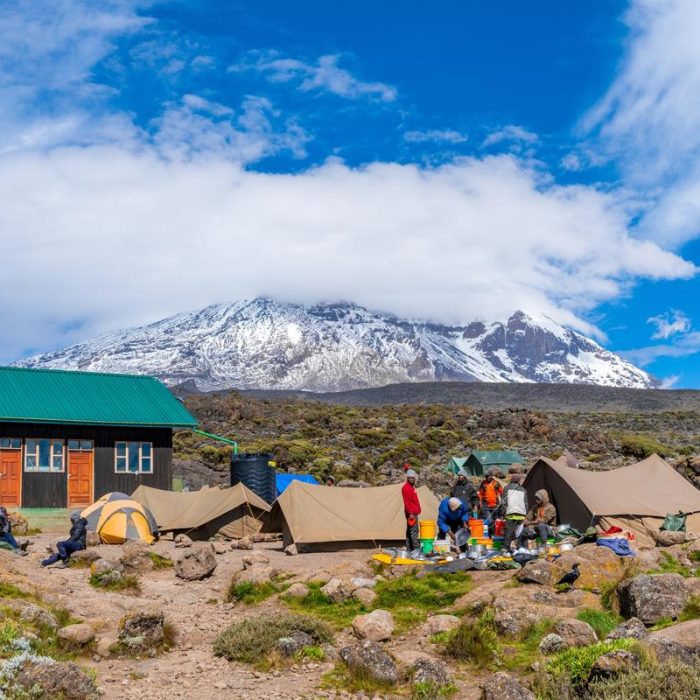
[[435, 135], [323, 75], [671, 323], [649, 119], [103, 237], [683, 346], [512, 133], [670, 382]]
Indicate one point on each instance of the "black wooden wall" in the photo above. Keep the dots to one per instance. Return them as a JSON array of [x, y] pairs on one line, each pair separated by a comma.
[[49, 490]]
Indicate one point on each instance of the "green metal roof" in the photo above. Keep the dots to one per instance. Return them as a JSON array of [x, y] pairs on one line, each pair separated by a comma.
[[498, 457], [88, 398]]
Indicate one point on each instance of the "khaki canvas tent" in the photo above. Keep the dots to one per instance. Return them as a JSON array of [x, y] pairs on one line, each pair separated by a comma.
[[636, 498], [233, 512], [326, 518]]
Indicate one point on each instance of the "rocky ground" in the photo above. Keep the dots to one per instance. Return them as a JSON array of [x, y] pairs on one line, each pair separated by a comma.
[[498, 634]]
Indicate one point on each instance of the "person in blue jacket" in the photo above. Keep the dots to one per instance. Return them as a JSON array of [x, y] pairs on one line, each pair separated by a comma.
[[453, 515]]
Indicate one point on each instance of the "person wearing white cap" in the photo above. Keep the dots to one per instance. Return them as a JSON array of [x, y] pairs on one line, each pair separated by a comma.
[[411, 508], [466, 492], [453, 516]]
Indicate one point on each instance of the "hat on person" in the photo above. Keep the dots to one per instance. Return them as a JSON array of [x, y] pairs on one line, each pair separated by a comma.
[[330, 478], [454, 503], [410, 474], [461, 472], [75, 515]]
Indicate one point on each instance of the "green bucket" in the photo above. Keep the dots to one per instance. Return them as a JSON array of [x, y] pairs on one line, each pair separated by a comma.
[[426, 546]]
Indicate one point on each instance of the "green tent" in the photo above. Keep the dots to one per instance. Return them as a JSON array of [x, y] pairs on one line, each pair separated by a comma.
[[479, 461], [456, 463]]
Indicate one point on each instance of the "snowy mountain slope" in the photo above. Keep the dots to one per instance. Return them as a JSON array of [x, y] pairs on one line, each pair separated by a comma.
[[263, 344]]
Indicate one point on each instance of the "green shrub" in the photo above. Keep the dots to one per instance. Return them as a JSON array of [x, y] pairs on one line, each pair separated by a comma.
[[161, 562], [691, 611], [250, 593], [672, 680], [253, 638], [695, 556], [317, 603], [576, 663], [127, 583], [431, 691], [670, 565], [602, 621], [642, 446], [475, 642]]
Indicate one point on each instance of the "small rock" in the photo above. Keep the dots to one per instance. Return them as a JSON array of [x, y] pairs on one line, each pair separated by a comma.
[[613, 664], [100, 567], [652, 598], [441, 623], [245, 543], [253, 558], [182, 540], [367, 658], [257, 574], [376, 626], [360, 582], [668, 538], [292, 550], [431, 672], [92, 539], [56, 680], [76, 635], [502, 686], [104, 647], [289, 646], [551, 644], [366, 596], [87, 555], [219, 547], [576, 633], [135, 556], [630, 629], [338, 590], [34, 613], [196, 563], [539, 571], [141, 630], [297, 590]]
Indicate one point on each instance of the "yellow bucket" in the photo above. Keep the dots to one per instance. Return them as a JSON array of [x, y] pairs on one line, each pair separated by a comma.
[[427, 529]]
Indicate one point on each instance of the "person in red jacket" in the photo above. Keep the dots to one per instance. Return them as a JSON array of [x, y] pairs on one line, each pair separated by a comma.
[[411, 508]]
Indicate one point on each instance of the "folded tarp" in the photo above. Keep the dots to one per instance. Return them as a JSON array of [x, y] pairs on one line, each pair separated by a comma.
[[233, 512], [283, 480], [326, 517]]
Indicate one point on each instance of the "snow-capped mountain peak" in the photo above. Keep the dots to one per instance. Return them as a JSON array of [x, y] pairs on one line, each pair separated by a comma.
[[264, 344]]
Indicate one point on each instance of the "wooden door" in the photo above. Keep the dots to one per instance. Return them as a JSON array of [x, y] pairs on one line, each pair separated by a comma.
[[10, 477], [80, 478]]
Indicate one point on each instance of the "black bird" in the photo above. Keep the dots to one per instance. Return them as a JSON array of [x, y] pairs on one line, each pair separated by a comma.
[[570, 577]]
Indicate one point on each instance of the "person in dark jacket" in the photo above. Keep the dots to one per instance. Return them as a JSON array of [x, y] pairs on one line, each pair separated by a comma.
[[539, 520], [466, 492], [6, 532], [75, 542], [453, 516]]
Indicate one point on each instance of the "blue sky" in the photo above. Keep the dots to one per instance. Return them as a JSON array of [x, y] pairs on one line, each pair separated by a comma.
[[447, 162]]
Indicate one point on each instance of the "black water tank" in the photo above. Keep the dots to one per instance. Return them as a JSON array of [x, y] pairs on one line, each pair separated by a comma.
[[257, 472]]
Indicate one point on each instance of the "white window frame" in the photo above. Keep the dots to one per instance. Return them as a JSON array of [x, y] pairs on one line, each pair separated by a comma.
[[53, 452], [80, 448], [127, 444]]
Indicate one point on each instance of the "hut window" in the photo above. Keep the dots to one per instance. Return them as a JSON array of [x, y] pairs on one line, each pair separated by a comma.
[[10, 443], [43, 455], [133, 458], [80, 445]]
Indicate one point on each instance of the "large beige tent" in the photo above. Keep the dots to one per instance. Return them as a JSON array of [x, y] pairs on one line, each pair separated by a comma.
[[325, 517], [637, 497], [232, 512]]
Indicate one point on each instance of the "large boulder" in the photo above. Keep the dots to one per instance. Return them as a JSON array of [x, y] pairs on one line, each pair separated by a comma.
[[76, 635], [669, 538], [254, 558], [53, 679], [135, 556], [20, 525], [142, 631], [195, 563], [297, 590], [86, 556], [576, 633], [368, 659], [377, 626], [653, 598], [667, 650], [102, 567], [685, 634], [597, 565], [502, 686]]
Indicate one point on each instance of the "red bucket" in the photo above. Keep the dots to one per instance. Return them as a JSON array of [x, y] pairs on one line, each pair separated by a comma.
[[499, 527]]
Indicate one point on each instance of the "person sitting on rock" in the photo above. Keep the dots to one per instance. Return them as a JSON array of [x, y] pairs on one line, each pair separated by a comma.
[[6, 532], [540, 519], [75, 542], [453, 516], [466, 492]]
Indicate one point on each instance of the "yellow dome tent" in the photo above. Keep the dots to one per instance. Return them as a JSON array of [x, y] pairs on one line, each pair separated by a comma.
[[92, 513], [125, 520]]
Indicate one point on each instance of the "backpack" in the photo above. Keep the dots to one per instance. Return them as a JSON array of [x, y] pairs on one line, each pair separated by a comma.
[[515, 502], [674, 523]]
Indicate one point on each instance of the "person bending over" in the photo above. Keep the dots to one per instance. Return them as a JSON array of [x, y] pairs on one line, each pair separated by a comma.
[[453, 516]]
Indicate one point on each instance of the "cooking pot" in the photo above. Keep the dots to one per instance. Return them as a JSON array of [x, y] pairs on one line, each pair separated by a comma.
[[566, 547], [476, 550]]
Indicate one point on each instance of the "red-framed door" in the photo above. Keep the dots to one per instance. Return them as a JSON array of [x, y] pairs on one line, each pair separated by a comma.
[[80, 477], [10, 478]]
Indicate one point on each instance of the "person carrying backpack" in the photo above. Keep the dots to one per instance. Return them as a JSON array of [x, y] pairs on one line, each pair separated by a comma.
[[513, 506]]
